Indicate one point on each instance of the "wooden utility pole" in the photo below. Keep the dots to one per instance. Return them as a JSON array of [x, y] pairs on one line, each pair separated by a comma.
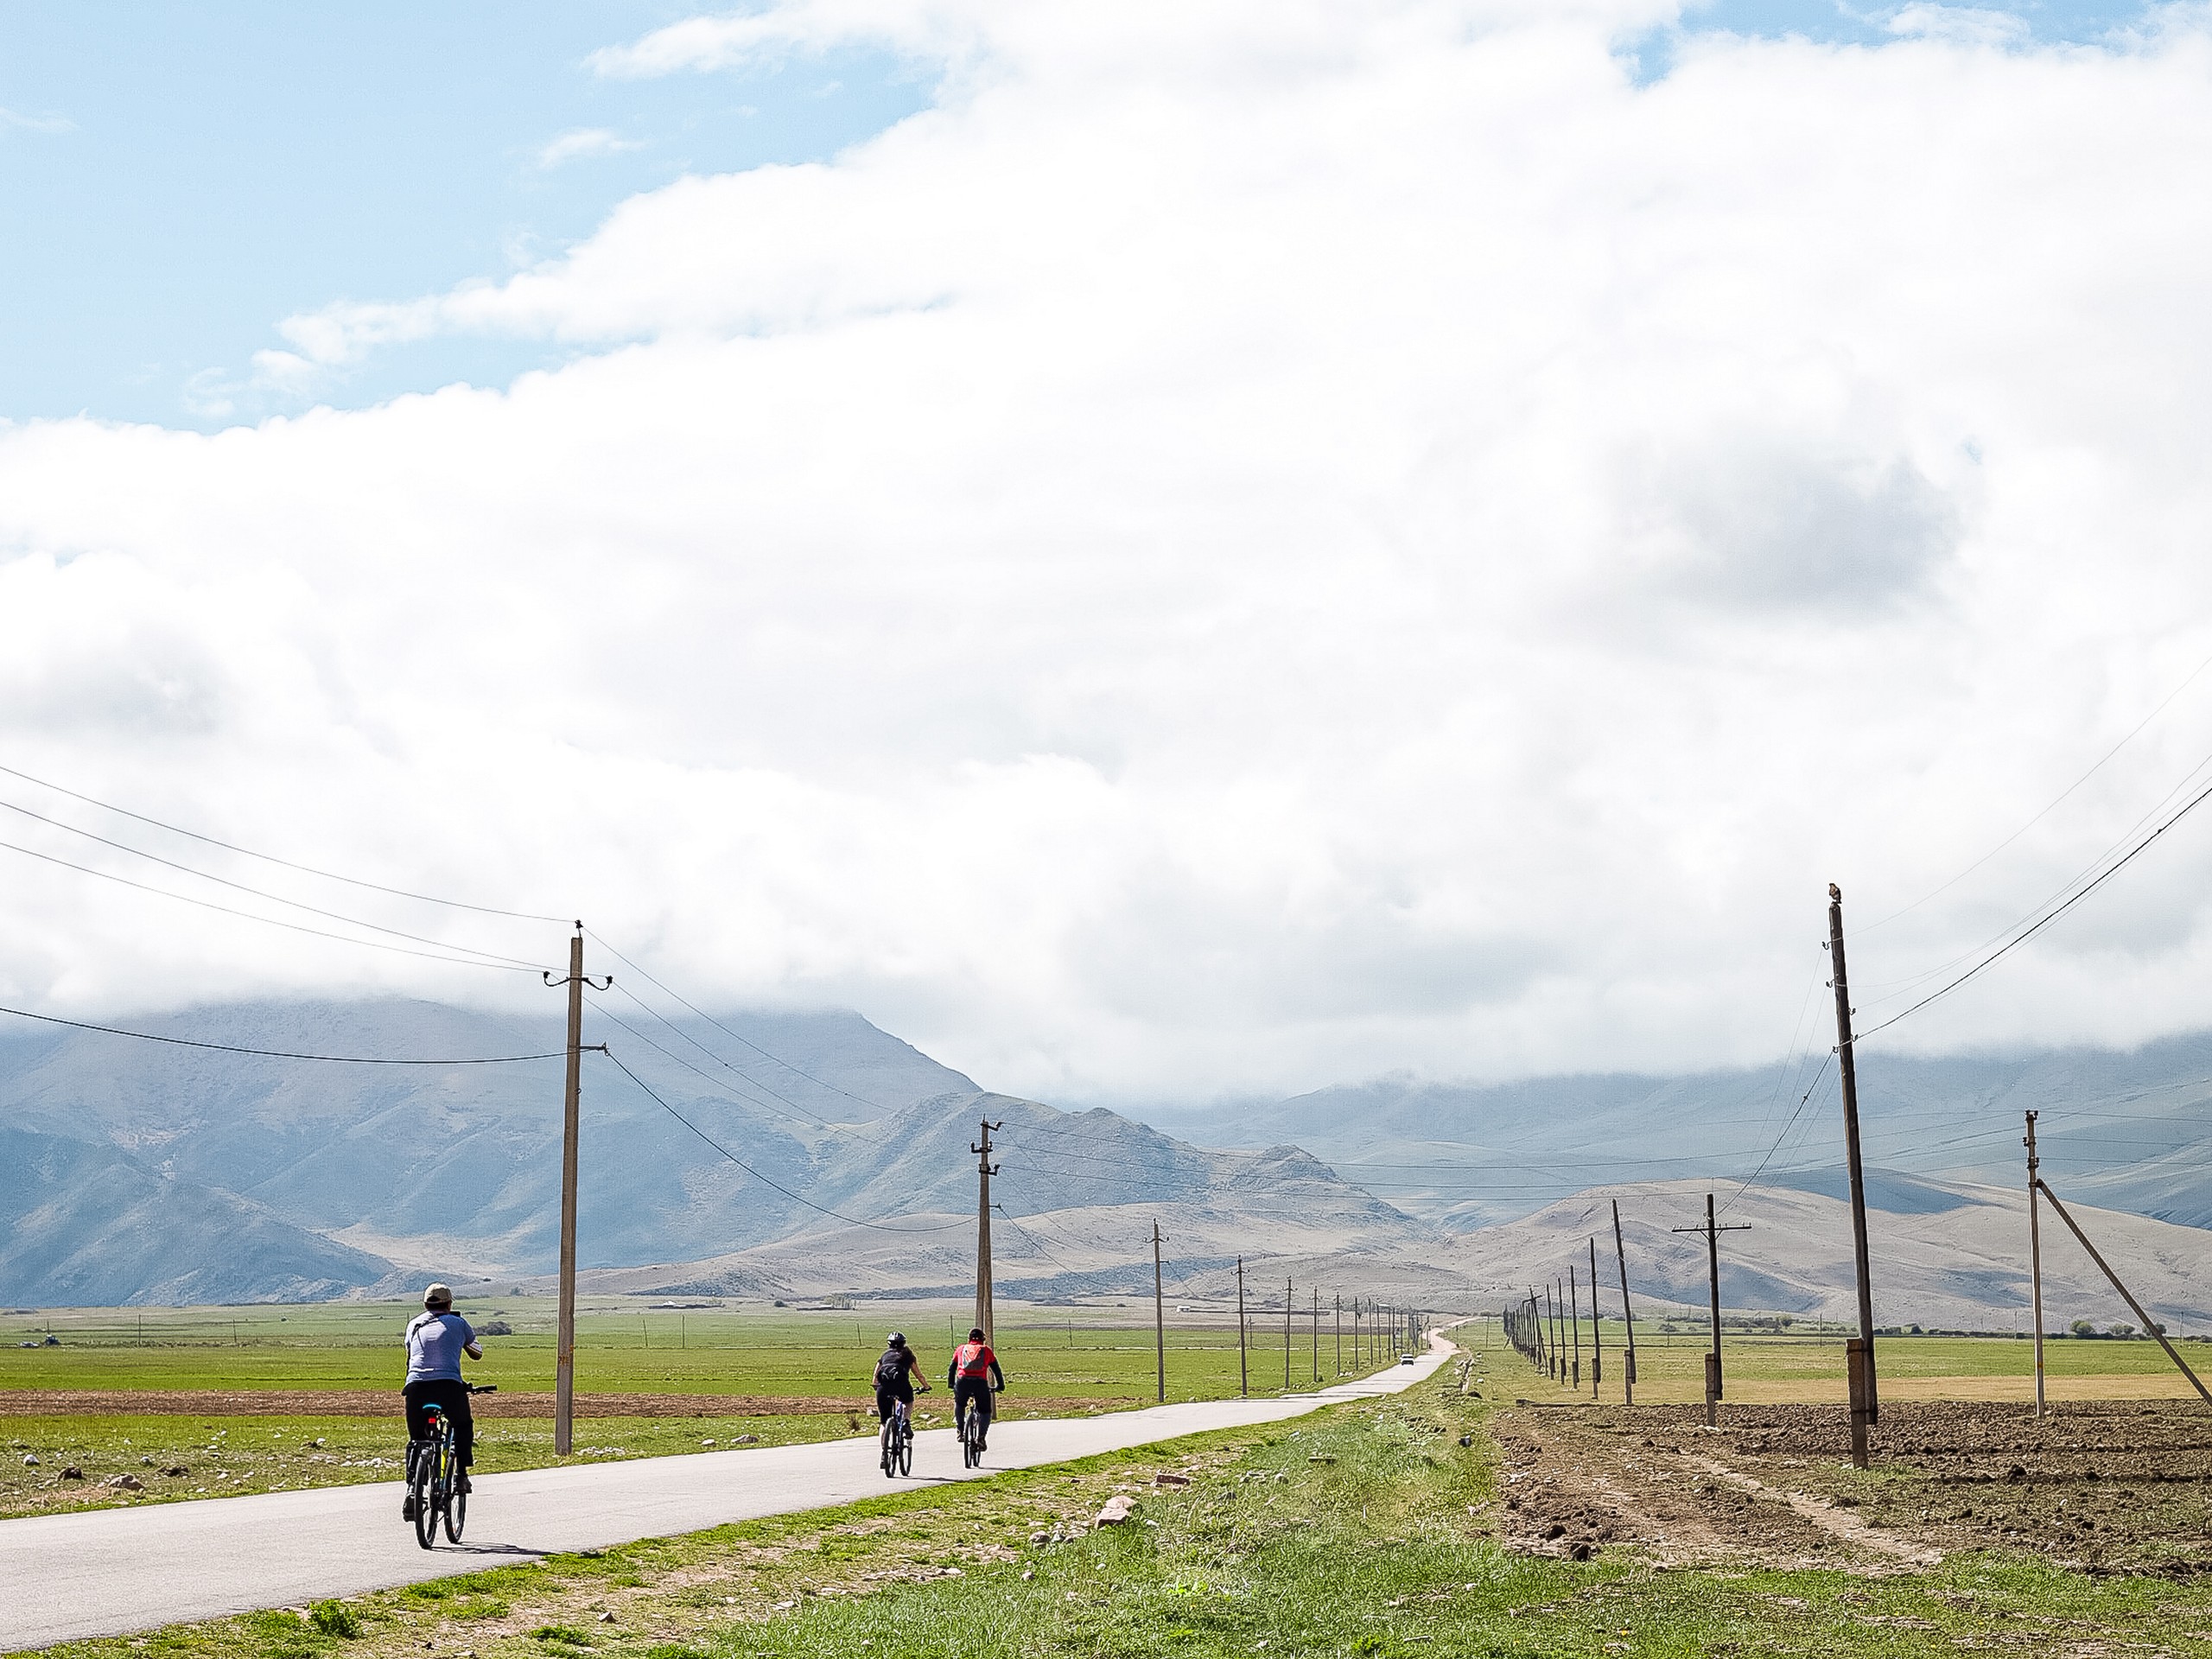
[[1317, 1335], [1865, 1405], [1159, 1316], [1574, 1320], [564, 1340], [1339, 1301], [1596, 1363], [1243, 1367], [1713, 1232], [985, 1170], [1287, 1304], [1628, 1315], [2035, 1258]]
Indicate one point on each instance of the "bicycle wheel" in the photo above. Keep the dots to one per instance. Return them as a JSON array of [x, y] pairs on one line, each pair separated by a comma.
[[906, 1448], [456, 1511], [425, 1497]]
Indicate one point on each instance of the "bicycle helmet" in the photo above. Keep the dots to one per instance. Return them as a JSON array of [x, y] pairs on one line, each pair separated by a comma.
[[897, 1338], [976, 1334]]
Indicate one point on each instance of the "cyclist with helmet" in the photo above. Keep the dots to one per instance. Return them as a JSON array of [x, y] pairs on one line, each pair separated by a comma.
[[898, 1373], [436, 1339], [975, 1378]]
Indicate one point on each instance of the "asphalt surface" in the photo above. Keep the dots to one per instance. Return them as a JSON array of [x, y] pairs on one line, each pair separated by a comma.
[[108, 1571]]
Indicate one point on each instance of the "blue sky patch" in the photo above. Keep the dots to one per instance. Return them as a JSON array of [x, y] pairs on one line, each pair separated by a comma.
[[176, 181]]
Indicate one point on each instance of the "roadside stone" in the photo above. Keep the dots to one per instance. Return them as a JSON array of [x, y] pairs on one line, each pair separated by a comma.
[[1163, 1478], [1117, 1510], [126, 1483], [72, 1472], [30, 1460]]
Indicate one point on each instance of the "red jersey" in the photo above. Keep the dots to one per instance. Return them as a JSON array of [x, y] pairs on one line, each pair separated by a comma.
[[973, 1359]]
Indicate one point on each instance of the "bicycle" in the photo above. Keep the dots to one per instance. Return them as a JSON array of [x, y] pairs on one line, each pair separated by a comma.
[[972, 1428], [898, 1442], [434, 1476]]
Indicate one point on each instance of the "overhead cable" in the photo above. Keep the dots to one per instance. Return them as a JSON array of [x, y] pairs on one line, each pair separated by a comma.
[[279, 1053], [273, 897], [2044, 921], [818, 1082], [765, 1181], [270, 858], [270, 921]]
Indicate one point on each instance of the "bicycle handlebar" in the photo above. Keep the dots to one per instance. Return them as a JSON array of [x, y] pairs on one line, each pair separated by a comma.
[[486, 1387]]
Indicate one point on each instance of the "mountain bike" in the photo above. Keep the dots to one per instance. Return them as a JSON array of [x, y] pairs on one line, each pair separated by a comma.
[[972, 1427], [434, 1475], [898, 1442]]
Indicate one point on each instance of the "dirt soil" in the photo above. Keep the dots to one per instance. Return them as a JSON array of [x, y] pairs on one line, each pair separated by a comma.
[[378, 1402], [2105, 1488]]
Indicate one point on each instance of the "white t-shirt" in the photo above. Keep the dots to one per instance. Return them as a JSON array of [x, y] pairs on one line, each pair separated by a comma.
[[435, 1342]]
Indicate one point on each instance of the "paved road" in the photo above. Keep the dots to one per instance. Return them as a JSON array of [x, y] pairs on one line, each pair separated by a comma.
[[105, 1572]]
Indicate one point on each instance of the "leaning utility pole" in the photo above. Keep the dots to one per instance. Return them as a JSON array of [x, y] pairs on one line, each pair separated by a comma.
[[1713, 1232], [1244, 1368], [1159, 1316], [1865, 1407], [2035, 1258], [1628, 1315], [564, 1341], [1597, 1361], [2150, 1326], [985, 1170]]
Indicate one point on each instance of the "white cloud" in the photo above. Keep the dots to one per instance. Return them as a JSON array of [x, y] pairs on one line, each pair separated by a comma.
[[1249, 545], [20, 121], [584, 142], [1977, 26]]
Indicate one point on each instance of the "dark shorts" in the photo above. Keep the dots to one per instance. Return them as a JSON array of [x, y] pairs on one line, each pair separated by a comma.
[[973, 1394], [454, 1398], [886, 1398]]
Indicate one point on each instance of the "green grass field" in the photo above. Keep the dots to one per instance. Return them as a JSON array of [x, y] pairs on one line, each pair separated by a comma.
[[1100, 1355], [1056, 1361]]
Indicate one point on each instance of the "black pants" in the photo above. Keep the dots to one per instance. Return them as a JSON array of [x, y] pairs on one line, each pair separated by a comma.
[[973, 1394], [886, 1398], [453, 1398]]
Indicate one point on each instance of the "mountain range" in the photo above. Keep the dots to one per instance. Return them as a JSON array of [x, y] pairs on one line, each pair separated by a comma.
[[804, 1152], [148, 1173]]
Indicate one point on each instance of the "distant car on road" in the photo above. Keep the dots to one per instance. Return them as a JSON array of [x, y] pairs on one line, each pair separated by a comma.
[[1405, 1359]]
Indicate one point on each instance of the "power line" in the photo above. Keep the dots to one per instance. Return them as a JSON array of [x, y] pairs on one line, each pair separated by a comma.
[[270, 858], [273, 897], [817, 1082], [765, 1181], [713, 1081], [2046, 920], [266, 921], [2188, 680], [274, 1053], [740, 1073]]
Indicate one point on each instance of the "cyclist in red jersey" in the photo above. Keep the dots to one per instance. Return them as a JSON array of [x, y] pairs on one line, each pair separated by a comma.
[[975, 1377]]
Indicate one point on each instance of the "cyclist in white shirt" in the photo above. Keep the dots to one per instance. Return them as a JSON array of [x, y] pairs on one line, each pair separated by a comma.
[[436, 1339]]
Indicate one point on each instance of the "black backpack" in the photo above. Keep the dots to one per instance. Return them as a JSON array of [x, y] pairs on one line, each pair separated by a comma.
[[890, 1369]]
